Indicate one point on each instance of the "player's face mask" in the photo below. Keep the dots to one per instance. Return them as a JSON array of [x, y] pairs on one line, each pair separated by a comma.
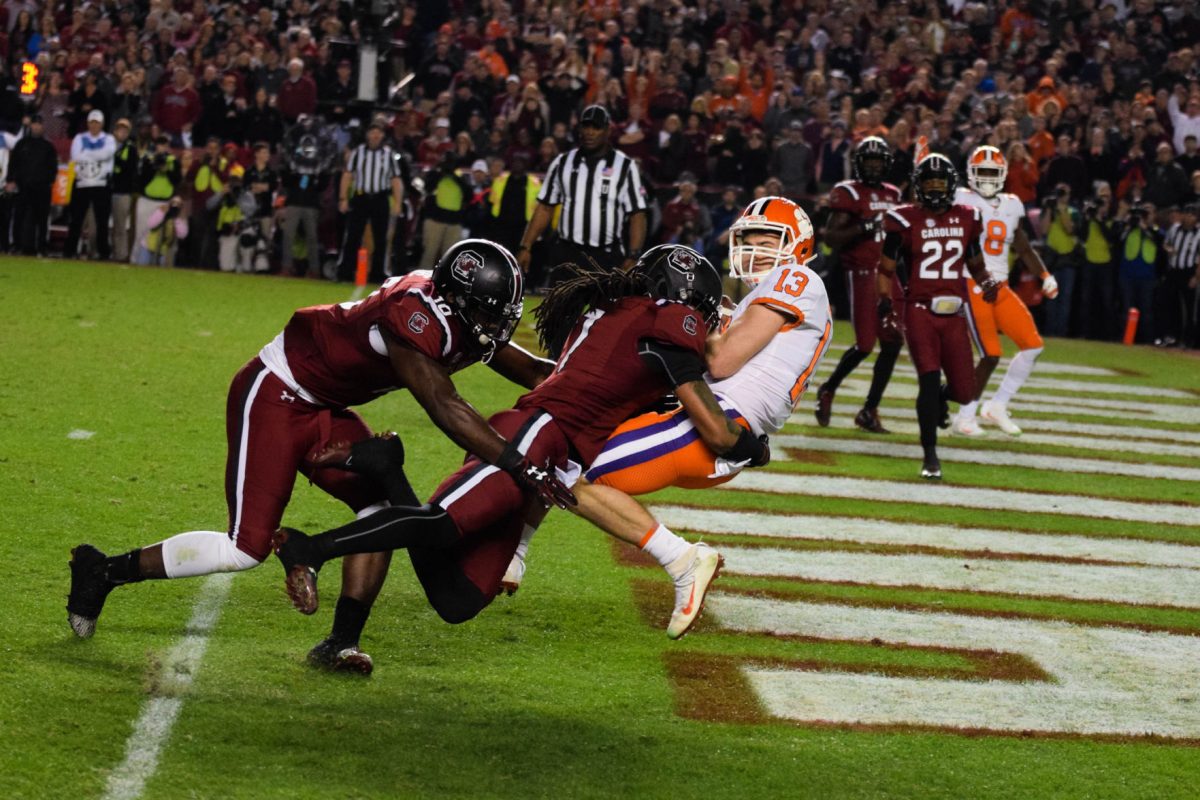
[[792, 241]]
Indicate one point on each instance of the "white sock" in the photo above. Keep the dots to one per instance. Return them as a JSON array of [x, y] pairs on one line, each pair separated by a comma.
[[1019, 370], [187, 555], [523, 545], [967, 410], [665, 547]]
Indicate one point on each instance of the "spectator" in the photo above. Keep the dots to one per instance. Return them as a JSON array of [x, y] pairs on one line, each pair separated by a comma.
[[1023, 175], [176, 106], [223, 112], [792, 163], [1189, 159], [834, 159], [1167, 185], [165, 228], [1062, 226], [297, 94], [124, 188], [338, 93], [92, 155], [1185, 121], [1139, 254], [263, 119], [1065, 167], [436, 145], [682, 211], [32, 169], [234, 207], [722, 216], [86, 99]]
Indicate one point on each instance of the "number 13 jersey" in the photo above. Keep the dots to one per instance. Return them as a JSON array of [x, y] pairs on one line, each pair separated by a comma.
[[934, 248], [769, 384], [1001, 215]]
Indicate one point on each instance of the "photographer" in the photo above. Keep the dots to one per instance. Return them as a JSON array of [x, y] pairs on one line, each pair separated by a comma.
[[1140, 248], [206, 177], [262, 180], [239, 244], [166, 226], [1098, 276], [1062, 227], [159, 177], [443, 211]]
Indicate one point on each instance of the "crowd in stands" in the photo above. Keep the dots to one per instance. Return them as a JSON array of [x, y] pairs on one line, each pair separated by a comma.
[[1095, 103]]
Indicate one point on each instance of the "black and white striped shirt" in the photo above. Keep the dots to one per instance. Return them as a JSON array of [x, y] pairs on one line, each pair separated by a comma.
[[1184, 246], [373, 170], [597, 196]]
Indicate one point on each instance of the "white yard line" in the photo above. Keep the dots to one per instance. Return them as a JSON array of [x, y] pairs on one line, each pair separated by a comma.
[[964, 497], [1102, 680], [178, 670], [1050, 403], [1138, 585], [899, 420], [1047, 367], [962, 453], [942, 537]]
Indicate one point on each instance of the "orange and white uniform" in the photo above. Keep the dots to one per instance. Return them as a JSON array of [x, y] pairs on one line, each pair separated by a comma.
[[1001, 214], [653, 451]]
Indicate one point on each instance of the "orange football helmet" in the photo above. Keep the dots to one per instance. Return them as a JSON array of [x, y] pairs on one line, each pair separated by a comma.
[[987, 170], [776, 215]]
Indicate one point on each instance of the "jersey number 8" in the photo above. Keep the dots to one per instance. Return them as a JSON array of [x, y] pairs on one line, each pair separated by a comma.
[[995, 236]]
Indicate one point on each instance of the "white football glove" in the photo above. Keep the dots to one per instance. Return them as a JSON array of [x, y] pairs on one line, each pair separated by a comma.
[[1050, 286]]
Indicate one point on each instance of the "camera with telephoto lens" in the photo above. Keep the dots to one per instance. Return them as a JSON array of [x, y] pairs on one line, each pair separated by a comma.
[[160, 161]]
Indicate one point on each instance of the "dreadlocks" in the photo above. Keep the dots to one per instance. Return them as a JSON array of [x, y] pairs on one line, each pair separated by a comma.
[[588, 286]]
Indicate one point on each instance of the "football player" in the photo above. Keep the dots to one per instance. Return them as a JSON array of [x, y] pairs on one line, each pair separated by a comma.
[[623, 341], [1005, 230], [930, 246], [758, 367], [294, 398], [855, 229]]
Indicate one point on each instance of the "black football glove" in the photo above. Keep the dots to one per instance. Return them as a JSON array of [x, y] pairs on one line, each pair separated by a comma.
[[990, 287], [540, 480], [890, 329], [871, 227], [764, 457]]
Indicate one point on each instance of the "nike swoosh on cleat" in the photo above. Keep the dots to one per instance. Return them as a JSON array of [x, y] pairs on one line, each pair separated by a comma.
[[688, 608]]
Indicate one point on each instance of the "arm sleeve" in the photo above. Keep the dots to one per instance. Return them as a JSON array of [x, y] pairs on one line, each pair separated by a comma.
[[677, 365], [410, 319]]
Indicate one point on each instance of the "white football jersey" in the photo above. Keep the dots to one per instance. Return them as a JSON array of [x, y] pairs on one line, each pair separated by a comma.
[[767, 387], [1001, 216]]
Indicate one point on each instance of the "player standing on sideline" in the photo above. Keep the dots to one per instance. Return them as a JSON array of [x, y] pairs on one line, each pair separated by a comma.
[[758, 368], [855, 228], [1004, 227], [293, 399], [926, 245], [620, 351]]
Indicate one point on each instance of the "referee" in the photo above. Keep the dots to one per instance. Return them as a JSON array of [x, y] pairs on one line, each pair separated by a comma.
[[599, 189], [1178, 289], [375, 176]]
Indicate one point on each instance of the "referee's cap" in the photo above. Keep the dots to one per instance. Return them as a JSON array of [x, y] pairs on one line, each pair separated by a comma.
[[595, 116]]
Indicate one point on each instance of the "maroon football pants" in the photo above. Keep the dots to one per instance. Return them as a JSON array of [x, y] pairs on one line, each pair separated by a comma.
[[941, 343], [862, 286], [272, 435]]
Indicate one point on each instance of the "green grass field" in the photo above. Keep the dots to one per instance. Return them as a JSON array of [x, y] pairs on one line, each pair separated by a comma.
[[570, 688]]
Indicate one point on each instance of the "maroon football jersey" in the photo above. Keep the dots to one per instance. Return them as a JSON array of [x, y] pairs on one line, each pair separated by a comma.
[[935, 248], [863, 202], [337, 353], [600, 380]]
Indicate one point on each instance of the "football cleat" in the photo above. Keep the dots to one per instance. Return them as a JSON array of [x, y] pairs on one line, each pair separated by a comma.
[[998, 413], [868, 420], [513, 575], [931, 470], [89, 589], [967, 426], [691, 587], [824, 409], [300, 579], [336, 656]]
